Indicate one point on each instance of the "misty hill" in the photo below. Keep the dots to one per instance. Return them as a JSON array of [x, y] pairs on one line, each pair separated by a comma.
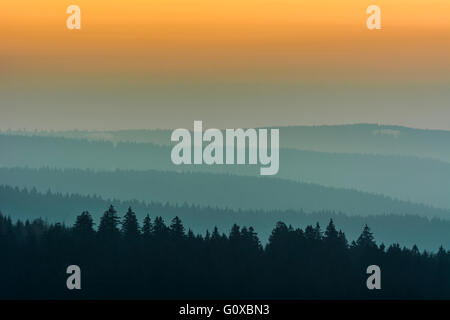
[[370, 139], [355, 138], [221, 190], [407, 178], [407, 230]]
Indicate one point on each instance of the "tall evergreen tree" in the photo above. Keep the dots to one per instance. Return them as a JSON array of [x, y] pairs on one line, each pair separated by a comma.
[[366, 239], [109, 225], [130, 226], [331, 234], [160, 229], [147, 227], [84, 226], [177, 228]]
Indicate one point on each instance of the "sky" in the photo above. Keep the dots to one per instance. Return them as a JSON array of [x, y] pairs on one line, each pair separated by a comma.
[[235, 63]]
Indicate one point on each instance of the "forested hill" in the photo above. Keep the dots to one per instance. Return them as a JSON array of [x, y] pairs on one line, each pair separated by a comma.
[[221, 190], [401, 177], [23, 204], [354, 138], [160, 260]]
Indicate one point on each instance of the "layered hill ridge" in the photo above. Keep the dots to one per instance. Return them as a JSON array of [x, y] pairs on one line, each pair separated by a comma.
[[362, 138], [218, 190], [375, 174], [22, 204], [407, 178]]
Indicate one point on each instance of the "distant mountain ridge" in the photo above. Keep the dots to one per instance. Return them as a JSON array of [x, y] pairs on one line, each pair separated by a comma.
[[352, 138], [216, 190], [407, 178]]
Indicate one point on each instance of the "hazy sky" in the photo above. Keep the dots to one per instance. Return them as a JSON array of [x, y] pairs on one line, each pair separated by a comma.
[[165, 63]]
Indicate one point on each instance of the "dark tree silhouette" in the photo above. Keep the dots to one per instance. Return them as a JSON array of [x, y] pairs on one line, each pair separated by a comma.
[[147, 227], [109, 225], [164, 262], [366, 239], [177, 228], [84, 226], [130, 226]]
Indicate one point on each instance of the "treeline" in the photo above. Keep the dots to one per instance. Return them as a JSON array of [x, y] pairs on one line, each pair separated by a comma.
[[57, 207], [242, 192], [123, 258]]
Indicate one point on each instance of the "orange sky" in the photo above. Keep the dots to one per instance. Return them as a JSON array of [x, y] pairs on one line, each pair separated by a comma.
[[165, 63], [205, 38]]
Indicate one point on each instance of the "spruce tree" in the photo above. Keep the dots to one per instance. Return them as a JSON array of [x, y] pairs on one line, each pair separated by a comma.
[[130, 226], [331, 234], [109, 225], [147, 227], [84, 226], [366, 239], [160, 229], [177, 228]]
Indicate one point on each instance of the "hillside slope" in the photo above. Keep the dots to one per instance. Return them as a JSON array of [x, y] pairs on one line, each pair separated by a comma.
[[237, 192], [407, 230], [407, 178]]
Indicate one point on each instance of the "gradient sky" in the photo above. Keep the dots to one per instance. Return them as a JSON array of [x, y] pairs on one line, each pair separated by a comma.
[[164, 63]]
